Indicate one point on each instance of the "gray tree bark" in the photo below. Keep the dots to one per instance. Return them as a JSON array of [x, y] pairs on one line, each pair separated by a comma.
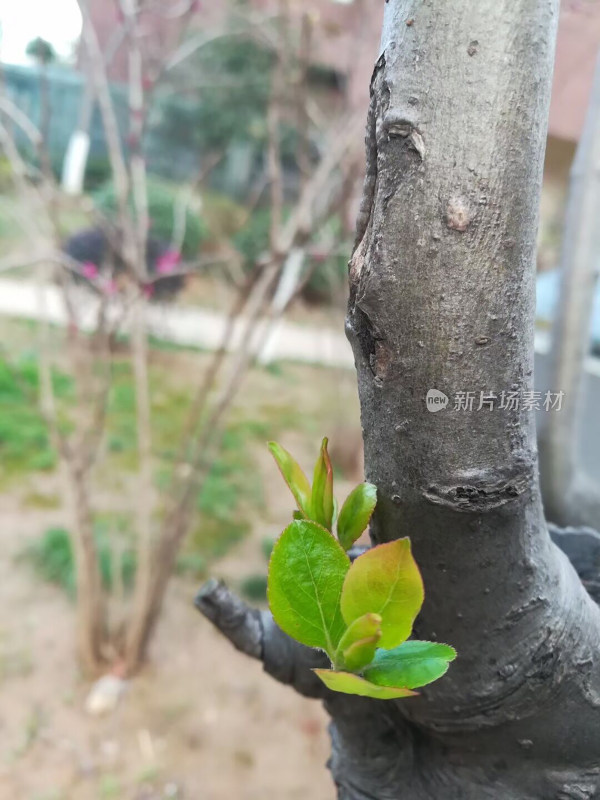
[[442, 297]]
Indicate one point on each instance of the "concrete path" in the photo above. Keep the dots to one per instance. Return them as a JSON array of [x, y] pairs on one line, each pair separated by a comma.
[[203, 328], [194, 327]]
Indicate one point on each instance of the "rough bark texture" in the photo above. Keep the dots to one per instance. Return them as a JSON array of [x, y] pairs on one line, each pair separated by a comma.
[[442, 297]]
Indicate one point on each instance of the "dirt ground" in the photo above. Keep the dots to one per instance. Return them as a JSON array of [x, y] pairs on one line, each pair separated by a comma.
[[202, 722]]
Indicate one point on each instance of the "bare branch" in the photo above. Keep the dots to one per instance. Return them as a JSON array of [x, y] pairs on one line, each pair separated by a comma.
[[111, 128], [249, 25], [254, 633], [302, 114], [22, 120], [241, 624], [183, 200], [273, 152]]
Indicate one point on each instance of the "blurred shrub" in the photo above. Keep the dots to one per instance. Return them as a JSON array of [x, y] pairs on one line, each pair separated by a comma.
[[267, 546], [328, 277], [97, 173], [41, 51], [224, 216], [192, 565], [24, 440], [224, 505], [53, 560], [231, 491], [163, 203], [254, 588], [330, 274], [231, 488], [232, 100], [34, 499], [252, 240]]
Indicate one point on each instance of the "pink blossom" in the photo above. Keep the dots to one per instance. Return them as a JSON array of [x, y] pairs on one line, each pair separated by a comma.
[[168, 262], [110, 287], [89, 270]]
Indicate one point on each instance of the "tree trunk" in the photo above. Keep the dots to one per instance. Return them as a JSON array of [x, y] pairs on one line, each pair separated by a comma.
[[442, 297], [90, 607]]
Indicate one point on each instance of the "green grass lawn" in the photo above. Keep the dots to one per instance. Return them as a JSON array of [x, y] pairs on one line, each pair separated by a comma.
[[231, 495], [231, 488]]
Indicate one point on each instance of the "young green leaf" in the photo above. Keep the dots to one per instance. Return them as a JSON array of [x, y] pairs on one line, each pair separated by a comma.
[[348, 683], [293, 476], [359, 642], [386, 581], [411, 664], [306, 574], [356, 513], [321, 505]]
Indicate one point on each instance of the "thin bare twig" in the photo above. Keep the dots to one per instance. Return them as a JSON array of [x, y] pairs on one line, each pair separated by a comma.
[[109, 120]]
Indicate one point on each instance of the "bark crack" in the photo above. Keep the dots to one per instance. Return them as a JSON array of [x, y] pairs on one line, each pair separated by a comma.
[[364, 219], [480, 493]]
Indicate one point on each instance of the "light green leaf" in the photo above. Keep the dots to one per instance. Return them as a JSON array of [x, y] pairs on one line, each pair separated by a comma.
[[293, 476], [385, 580], [321, 506], [348, 683], [359, 642], [411, 664], [356, 513], [306, 574]]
